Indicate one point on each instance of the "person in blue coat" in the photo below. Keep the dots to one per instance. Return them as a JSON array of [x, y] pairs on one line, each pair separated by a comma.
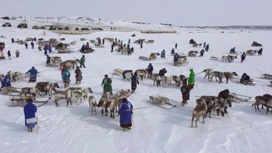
[[173, 51], [50, 49], [176, 56], [33, 74], [66, 76], [149, 70], [124, 73], [126, 111], [163, 54], [6, 82], [29, 110]]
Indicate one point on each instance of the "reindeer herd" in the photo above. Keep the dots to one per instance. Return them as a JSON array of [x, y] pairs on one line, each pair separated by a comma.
[[155, 77]]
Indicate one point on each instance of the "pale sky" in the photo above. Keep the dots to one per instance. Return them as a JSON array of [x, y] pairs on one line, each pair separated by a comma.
[[177, 12]]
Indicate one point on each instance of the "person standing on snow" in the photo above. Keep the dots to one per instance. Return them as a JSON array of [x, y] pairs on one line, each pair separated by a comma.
[[107, 85], [49, 49], [78, 75], [6, 82], [202, 53], [204, 44], [207, 47], [126, 111], [134, 82], [33, 74], [173, 51], [112, 46], [66, 77], [82, 61], [185, 91], [191, 81], [30, 119], [243, 57], [176, 45], [163, 54], [17, 53], [12, 40], [9, 55], [149, 70]]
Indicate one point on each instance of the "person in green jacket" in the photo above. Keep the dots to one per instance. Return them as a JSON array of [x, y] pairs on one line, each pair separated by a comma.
[[191, 80], [107, 85], [82, 61]]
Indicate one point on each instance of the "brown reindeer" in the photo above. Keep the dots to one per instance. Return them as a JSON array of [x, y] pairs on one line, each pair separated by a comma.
[[46, 87], [200, 110]]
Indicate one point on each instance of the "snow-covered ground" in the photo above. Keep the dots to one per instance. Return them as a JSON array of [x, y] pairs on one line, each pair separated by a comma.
[[155, 130]]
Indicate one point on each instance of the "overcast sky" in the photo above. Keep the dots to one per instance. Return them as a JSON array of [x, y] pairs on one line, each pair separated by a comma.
[[177, 12]]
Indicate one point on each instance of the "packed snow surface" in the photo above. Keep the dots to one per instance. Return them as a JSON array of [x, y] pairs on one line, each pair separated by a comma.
[[155, 130]]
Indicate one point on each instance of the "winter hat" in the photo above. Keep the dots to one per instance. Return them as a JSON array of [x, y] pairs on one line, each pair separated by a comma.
[[106, 75], [124, 100]]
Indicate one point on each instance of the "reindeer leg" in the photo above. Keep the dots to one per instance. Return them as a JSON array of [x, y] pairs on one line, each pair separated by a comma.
[[95, 110], [196, 121], [113, 116], [106, 111], [192, 121]]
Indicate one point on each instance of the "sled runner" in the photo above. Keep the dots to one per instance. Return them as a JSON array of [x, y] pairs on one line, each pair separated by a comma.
[[20, 101], [239, 98]]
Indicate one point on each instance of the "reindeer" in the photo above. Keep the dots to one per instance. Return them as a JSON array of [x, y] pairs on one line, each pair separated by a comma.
[[166, 80], [46, 87], [103, 104], [261, 100], [29, 90], [200, 110], [192, 53], [153, 56], [208, 72], [92, 104], [66, 94], [157, 79], [176, 79]]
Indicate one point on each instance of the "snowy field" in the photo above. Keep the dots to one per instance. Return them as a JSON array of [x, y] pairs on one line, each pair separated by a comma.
[[73, 130]]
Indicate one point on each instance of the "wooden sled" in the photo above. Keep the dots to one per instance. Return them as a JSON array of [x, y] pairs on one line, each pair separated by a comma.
[[267, 76], [144, 58], [214, 58], [239, 98], [21, 101], [64, 51], [237, 80], [163, 102]]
